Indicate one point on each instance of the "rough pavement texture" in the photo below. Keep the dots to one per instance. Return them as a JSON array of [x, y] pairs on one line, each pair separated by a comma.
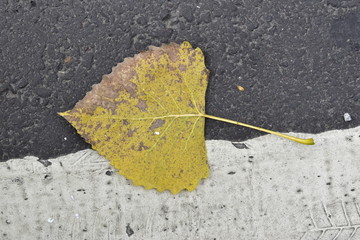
[[272, 189], [298, 62]]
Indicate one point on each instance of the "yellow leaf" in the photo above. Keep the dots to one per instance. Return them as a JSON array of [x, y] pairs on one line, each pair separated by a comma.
[[147, 117]]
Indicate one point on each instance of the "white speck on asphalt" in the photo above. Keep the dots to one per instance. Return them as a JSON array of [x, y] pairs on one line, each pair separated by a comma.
[[347, 117], [51, 220]]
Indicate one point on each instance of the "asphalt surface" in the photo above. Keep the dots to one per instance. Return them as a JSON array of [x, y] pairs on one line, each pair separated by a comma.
[[298, 62]]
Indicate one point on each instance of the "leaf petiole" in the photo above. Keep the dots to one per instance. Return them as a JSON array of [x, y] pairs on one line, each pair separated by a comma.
[[308, 141]]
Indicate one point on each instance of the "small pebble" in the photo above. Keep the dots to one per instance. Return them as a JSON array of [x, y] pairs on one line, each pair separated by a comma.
[[240, 88], [347, 117], [51, 220], [67, 59]]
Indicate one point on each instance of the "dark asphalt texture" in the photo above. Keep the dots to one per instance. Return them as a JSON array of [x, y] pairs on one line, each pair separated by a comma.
[[297, 60]]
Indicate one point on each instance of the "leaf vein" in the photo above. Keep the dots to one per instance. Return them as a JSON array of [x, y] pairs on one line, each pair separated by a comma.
[[162, 134], [171, 96], [192, 131], [150, 95], [191, 96]]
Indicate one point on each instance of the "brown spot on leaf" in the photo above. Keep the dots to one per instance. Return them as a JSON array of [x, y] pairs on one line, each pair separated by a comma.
[[142, 146], [131, 132], [87, 138], [171, 50], [179, 80], [150, 76], [189, 123], [156, 124], [142, 105], [122, 101], [98, 126], [172, 68], [192, 58], [182, 68], [131, 89], [191, 104]]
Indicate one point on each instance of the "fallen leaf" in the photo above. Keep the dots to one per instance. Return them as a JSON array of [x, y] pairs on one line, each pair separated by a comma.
[[147, 117]]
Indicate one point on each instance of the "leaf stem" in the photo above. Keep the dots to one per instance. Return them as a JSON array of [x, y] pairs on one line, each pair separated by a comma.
[[308, 141]]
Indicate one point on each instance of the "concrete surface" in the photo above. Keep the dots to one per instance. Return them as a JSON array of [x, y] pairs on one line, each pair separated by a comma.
[[297, 60], [264, 188]]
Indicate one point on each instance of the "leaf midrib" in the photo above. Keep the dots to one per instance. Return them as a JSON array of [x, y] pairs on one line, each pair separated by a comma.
[[158, 117]]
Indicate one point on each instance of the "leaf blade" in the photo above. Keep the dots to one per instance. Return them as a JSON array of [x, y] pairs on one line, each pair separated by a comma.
[[117, 118]]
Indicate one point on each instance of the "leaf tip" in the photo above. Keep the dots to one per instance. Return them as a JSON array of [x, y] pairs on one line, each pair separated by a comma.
[[199, 50], [186, 44], [64, 114]]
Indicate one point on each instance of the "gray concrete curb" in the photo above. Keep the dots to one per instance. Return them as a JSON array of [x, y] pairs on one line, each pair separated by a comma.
[[270, 189]]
